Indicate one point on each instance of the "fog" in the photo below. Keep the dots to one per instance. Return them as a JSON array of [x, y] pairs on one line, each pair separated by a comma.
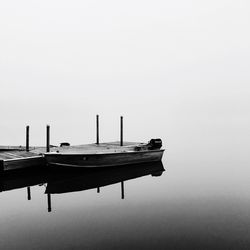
[[174, 69]]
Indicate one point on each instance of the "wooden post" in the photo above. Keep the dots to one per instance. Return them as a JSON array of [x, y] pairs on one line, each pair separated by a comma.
[[28, 194], [122, 190], [97, 129], [121, 139], [47, 138], [49, 202], [27, 138]]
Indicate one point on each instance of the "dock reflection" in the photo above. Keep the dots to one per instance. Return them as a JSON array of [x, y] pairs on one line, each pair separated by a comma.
[[58, 181]]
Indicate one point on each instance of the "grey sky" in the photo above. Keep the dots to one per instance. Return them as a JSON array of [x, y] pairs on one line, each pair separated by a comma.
[[180, 63]]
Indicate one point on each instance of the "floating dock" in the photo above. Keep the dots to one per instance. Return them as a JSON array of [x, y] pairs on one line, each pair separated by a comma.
[[19, 159]]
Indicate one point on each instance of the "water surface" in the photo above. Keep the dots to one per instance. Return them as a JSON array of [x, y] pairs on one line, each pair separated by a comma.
[[140, 207]]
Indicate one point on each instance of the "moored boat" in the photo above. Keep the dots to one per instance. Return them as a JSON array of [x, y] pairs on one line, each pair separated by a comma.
[[106, 154]]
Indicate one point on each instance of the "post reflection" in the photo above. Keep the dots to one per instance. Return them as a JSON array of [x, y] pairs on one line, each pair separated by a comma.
[[28, 194], [49, 202], [59, 181], [122, 190]]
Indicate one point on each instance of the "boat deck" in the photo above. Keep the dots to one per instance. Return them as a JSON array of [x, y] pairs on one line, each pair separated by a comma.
[[111, 147]]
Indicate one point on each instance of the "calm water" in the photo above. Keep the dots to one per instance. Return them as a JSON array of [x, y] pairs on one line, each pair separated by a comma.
[[193, 204]]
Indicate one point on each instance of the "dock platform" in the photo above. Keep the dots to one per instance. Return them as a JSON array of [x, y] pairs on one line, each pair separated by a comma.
[[19, 159]]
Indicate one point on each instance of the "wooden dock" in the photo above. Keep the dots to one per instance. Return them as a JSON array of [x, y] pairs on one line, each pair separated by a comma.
[[13, 159], [19, 157]]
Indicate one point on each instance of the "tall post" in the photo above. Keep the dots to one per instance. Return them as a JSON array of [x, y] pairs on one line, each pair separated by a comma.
[[47, 138], [27, 138], [121, 139], [97, 129], [28, 193], [122, 190], [49, 202]]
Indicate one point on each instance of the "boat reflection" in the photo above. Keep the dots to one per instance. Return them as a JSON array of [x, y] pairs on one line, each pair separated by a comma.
[[60, 182]]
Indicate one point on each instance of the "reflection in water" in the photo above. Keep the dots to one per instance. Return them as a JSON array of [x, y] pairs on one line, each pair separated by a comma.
[[180, 210], [58, 181], [122, 189], [49, 202], [28, 194]]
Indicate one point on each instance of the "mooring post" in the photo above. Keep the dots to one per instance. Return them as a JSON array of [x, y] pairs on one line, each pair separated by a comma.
[[28, 193], [121, 139], [47, 138], [97, 129], [27, 138], [122, 189], [49, 202]]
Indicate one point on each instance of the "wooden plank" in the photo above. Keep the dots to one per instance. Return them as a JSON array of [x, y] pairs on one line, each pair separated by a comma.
[[7, 148], [5, 155]]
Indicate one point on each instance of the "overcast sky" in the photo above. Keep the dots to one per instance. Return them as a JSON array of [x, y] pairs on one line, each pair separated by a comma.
[[183, 64]]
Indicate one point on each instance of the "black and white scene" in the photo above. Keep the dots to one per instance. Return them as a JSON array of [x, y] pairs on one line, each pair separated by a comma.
[[125, 125]]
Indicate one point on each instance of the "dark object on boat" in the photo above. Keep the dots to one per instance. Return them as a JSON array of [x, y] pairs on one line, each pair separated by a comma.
[[155, 144], [63, 144]]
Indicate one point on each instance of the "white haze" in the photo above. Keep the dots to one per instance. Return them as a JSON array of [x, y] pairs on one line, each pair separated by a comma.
[[178, 70]]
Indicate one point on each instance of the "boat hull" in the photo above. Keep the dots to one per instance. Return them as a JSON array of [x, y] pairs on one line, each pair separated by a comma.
[[103, 159], [72, 181]]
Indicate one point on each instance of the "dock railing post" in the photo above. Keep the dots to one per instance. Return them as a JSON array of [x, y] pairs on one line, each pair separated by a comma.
[[122, 190], [97, 129], [121, 135], [27, 138], [28, 194], [49, 202], [47, 138]]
